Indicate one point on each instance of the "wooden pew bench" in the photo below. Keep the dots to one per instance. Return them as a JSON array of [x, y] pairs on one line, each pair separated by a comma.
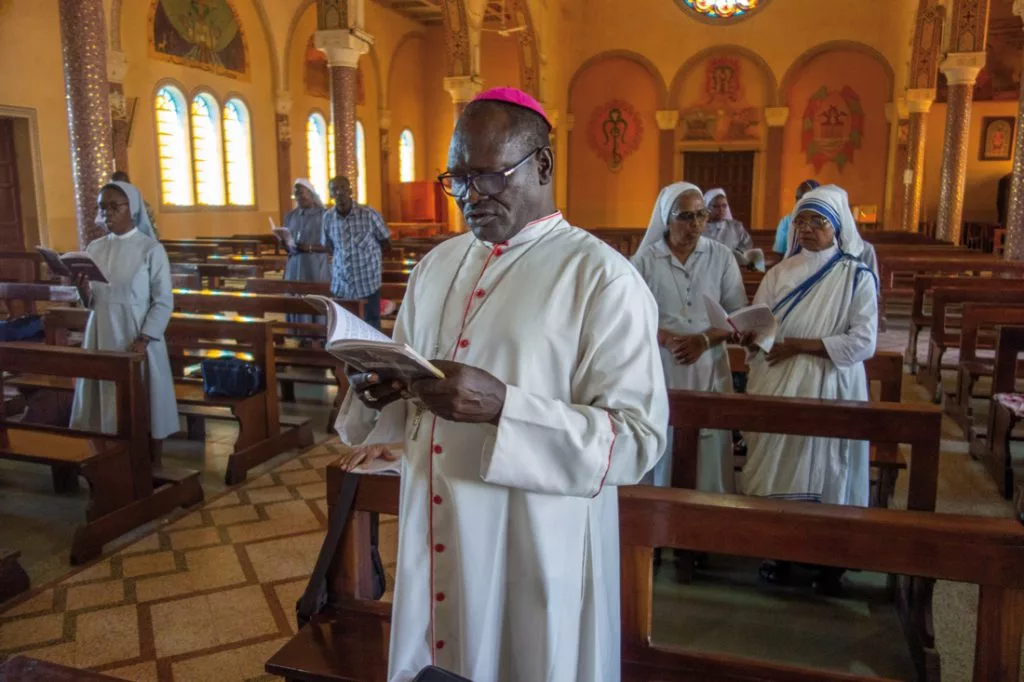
[[241, 245], [1002, 418], [126, 490], [21, 298], [979, 324], [215, 275], [389, 291], [24, 266], [263, 432], [946, 335], [267, 263]]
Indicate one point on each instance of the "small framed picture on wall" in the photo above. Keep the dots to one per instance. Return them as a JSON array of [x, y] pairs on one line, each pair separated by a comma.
[[996, 138]]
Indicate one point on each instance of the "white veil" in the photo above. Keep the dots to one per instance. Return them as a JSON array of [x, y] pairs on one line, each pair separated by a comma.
[[832, 203], [710, 195], [662, 208]]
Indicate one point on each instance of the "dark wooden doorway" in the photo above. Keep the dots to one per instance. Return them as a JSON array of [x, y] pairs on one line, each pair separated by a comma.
[[12, 236], [732, 171]]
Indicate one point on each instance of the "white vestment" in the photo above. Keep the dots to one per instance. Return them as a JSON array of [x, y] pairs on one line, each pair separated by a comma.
[[508, 556], [679, 290], [137, 300], [842, 311]]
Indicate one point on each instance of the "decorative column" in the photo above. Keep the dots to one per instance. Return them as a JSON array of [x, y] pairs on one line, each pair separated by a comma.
[[897, 115], [961, 70], [84, 41], [462, 89], [919, 103], [775, 118], [1015, 210], [283, 121], [120, 111], [384, 121], [343, 48], [668, 123]]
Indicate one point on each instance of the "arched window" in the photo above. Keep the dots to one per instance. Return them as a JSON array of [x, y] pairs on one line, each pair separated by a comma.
[[316, 153], [360, 163], [332, 162], [173, 147], [406, 157], [207, 157], [238, 154], [722, 10]]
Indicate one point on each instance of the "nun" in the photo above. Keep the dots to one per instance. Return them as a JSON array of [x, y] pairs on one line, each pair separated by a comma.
[[825, 300], [129, 313], [723, 228], [681, 267]]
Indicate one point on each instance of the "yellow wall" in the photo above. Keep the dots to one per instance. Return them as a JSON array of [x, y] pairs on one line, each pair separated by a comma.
[[982, 176]]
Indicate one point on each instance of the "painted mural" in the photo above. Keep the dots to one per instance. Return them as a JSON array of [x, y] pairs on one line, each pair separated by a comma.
[[318, 77], [832, 127], [725, 113], [204, 34], [615, 132]]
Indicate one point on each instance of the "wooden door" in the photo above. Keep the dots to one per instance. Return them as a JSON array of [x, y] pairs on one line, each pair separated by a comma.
[[11, 236], [732, 171]]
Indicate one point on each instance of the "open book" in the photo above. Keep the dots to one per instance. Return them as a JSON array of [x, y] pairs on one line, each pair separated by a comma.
[[282, 233], [757, 318], [72, 263], [754, 258], [359, 345]]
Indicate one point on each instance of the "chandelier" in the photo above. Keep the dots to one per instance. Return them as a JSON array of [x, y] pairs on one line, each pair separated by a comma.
[[723, 9]]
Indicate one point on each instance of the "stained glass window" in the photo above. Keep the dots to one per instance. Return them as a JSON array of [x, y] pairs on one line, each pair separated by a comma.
[[332, 170], [316, 153], [360, 163], [723, 9], [173, 148], [208, 160], [238, 154], [406, 157]]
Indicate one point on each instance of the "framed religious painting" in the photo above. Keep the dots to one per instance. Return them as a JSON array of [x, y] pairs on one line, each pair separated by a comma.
[[996, 138]]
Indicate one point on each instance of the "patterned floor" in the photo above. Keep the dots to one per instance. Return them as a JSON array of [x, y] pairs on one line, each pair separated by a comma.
[[209, 596]]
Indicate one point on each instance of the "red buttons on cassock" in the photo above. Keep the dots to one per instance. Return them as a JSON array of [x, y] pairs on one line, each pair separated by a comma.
[[464, 343], [480, 293], [438, 450], [437, 499], [438, 548], [440, 644], [439, 596], [498, 250]]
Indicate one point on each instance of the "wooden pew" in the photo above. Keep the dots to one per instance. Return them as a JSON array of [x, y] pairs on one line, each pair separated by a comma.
[[923, 287], [24, 266], [1002, 420], [978, 329], [213, 275], [262, 432], [349, 641], [126, 490], [240, 245], [266, 263], [21, 298], [189, 250], [944, 336], [391, 291]]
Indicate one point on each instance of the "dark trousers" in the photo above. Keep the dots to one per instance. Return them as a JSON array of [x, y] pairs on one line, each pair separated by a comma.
[[371, 313]]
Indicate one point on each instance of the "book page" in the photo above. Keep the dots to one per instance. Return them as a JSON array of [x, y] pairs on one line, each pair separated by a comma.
[[760, 320], [53, 262], [388, 360], [343, 325], [78, 261], [717, 316], [382, 465]]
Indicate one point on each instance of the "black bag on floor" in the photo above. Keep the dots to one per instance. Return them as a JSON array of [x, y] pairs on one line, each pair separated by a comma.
[[435, 674], [231, 378], [314, 599]]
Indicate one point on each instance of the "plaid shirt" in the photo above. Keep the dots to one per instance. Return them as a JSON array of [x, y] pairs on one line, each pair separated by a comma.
[[354, 240]]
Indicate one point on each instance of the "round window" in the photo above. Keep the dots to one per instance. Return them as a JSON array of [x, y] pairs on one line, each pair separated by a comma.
[[722, 11]]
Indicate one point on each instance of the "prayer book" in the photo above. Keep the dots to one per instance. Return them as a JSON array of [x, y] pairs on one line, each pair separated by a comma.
[[756, 318], [72, 263], [754, 258], [282, 233], [383, 466], [362, 347]]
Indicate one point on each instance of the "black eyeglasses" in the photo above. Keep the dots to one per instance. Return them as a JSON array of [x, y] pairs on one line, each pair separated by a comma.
[[486, 184], [691, 216], [112, 207]]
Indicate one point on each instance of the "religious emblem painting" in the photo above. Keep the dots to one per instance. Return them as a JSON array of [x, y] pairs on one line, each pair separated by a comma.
[[615, 132], [997, 138], [832, 127], [723, 112], [204, 34], [721, 10]]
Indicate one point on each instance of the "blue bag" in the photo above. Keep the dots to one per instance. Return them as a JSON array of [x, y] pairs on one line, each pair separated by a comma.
[[25, 328], [231, 378]]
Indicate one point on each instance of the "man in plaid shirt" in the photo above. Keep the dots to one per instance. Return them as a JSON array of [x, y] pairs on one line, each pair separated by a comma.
[[355, 236]]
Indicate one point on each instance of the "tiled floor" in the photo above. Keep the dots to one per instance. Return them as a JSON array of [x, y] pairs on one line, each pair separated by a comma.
[[210, 595]]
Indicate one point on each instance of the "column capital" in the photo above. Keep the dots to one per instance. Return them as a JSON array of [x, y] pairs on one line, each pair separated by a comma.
[[962, 68], [897, 110], [463, 88], [667, 119], [384, 119], [343, 47], [570, 121], [920, 100], [283, 103], [776, 117], [117, 66]]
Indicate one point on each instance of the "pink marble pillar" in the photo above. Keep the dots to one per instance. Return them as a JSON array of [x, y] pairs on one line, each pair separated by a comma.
[[84, 41], [916, 148], [343, 48], [961, 72], [1015, 210]]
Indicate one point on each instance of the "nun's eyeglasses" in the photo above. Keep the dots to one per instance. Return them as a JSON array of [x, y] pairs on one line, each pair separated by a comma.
[[814, 222], [691, 216], [486, 184]]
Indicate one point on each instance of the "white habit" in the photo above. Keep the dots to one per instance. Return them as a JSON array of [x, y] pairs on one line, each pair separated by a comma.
[[137, 300], [679, 290], [508, 557], [840, 309]]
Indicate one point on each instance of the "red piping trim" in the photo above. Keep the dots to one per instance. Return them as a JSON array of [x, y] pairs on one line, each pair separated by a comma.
[[608, 466]]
